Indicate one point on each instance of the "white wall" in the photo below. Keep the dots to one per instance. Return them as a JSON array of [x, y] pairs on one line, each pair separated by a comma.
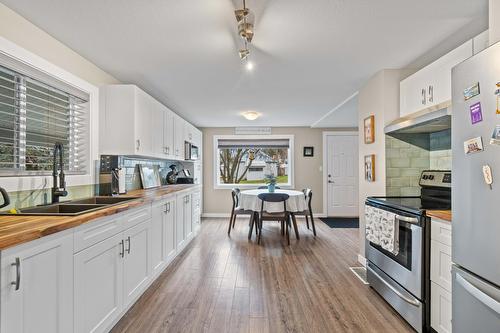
[[379, 97], [494, 21]]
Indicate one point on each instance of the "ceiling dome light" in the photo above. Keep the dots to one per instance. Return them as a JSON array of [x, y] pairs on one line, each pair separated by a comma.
[[251, 115], [249, 65]]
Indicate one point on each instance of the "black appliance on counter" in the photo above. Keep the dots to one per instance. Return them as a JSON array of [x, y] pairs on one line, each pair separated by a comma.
[[187, 179], [403, 280]]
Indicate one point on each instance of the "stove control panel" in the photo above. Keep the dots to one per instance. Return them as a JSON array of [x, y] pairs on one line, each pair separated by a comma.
[[435, 178]]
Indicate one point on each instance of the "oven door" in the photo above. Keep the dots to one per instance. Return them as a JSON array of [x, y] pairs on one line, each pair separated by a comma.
[[405, 267]]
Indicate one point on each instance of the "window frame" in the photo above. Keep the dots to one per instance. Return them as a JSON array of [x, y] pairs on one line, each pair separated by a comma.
[[27, 63], [216, 160]]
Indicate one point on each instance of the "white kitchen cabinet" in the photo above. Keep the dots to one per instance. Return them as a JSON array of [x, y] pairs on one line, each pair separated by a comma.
[[431, 85], [169, 234], [196, 211], [158, 237], [184, 220], [99, 285], [136, 264], [37, 286], [125, 121], [441, 276], [440, 309], [158, 113], [168, 134], [179, 137]]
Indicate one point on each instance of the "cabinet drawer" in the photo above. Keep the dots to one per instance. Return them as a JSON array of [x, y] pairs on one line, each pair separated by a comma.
[[96, 231], [441, 264], [137, 216], [441, 232], [440, 309]]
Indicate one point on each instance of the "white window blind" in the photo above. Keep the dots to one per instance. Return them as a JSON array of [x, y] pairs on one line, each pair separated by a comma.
[[33, 117]]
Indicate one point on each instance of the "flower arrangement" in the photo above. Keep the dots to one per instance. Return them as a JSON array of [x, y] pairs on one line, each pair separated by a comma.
[[271, 182]]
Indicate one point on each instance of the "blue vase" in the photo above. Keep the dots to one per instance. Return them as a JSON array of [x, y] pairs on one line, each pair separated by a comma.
[[271, 187]]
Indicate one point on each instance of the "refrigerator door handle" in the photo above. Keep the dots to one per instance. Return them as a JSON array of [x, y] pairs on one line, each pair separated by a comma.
[[480, 295]]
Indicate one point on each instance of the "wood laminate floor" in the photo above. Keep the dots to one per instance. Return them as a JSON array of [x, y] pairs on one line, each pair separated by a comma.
[[230, 284]]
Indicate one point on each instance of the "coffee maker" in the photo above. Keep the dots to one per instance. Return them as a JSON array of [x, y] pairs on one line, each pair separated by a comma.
[[111, 175]]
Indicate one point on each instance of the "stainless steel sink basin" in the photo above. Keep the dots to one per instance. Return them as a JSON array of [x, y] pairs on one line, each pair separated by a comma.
[[72, 208], [60, 209], [101, 200]]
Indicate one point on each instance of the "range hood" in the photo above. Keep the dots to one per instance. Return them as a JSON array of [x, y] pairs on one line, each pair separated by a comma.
[[430, 120]]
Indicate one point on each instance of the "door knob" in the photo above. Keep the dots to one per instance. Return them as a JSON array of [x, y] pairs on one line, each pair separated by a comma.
[[331, 181]]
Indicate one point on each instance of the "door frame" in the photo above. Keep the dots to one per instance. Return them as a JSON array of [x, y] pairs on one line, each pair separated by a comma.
[[325, 163]]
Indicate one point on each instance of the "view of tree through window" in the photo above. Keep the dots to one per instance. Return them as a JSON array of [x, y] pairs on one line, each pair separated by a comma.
[[251, 164]]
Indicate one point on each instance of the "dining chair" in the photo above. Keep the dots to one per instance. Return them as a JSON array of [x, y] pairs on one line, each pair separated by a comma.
[[283, 216], [308, 211], [236, 210], [265, 187]]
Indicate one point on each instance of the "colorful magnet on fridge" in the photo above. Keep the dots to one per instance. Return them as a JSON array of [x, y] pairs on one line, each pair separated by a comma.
[[497, 92], [476, 114], [474, 145], [471, 91], [488, 177], [495, 136]]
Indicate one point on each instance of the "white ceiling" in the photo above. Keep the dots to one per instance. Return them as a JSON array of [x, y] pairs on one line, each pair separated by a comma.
[[311, 54]]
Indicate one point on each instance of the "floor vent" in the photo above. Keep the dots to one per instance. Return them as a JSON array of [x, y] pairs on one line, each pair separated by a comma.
[[360, 272]]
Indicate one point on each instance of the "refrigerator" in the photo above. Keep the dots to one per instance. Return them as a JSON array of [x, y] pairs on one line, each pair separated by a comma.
[[476, 204]]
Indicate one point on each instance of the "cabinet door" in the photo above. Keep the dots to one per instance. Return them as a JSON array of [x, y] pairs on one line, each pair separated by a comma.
[[169, 221], [413, 94], [441, 264], [142, 117], [168, 133], [178, 137], [156, 128], [188, 217], [98, 285], [180, 238], [158, 237], [136, 264], [440, 309], [41, 298], [196, 209]]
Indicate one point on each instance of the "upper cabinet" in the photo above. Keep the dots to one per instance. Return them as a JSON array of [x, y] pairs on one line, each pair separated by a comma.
[[431, 85], [134, 123]]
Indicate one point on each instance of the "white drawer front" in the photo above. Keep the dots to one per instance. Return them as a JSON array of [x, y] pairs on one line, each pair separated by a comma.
[[91, 233], [440, 309], [441, 232], [441, 264], [137, 216]]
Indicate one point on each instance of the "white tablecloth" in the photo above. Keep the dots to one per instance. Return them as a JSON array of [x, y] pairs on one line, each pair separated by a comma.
[[296, 203]]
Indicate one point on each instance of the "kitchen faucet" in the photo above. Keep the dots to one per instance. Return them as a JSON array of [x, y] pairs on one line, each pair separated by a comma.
[[58, 190]]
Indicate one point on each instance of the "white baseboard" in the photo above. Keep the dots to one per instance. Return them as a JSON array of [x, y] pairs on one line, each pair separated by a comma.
[[362, 260]]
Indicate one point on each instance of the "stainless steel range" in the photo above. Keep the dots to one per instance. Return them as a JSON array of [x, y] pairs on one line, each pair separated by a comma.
[[403, 280]]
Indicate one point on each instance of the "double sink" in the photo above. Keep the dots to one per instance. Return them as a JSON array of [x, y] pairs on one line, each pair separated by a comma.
[[74, 207]]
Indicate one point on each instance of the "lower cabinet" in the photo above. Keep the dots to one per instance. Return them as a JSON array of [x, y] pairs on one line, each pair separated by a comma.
[[37, 286], [99, 285], [441, 276], [184, 220]]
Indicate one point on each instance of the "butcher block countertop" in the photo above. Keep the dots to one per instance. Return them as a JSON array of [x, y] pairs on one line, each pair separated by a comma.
[[440, 214], [15, 230]]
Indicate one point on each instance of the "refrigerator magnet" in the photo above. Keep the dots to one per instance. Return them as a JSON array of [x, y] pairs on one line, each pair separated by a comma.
[[476, 114], [471, 91], [495, 136], [474, 145], [488, 178]]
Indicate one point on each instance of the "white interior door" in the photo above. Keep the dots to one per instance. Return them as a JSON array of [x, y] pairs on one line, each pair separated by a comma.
[[342, 175]]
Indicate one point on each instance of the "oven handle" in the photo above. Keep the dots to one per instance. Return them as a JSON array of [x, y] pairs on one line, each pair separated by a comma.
[[397, 292], [412, 220]]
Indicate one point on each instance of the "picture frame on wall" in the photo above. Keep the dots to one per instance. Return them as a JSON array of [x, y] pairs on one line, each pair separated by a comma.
[[370, 168], [369, 129], [308, 151]]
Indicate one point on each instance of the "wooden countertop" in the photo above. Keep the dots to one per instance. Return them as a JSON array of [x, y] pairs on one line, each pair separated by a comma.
[[440, 214], [15, 230]]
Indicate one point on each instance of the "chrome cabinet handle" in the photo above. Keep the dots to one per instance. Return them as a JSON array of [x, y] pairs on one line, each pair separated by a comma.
[[431, 94], [138, 144], [424, 99], [128, 248], [17, 283], [122, 252]]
